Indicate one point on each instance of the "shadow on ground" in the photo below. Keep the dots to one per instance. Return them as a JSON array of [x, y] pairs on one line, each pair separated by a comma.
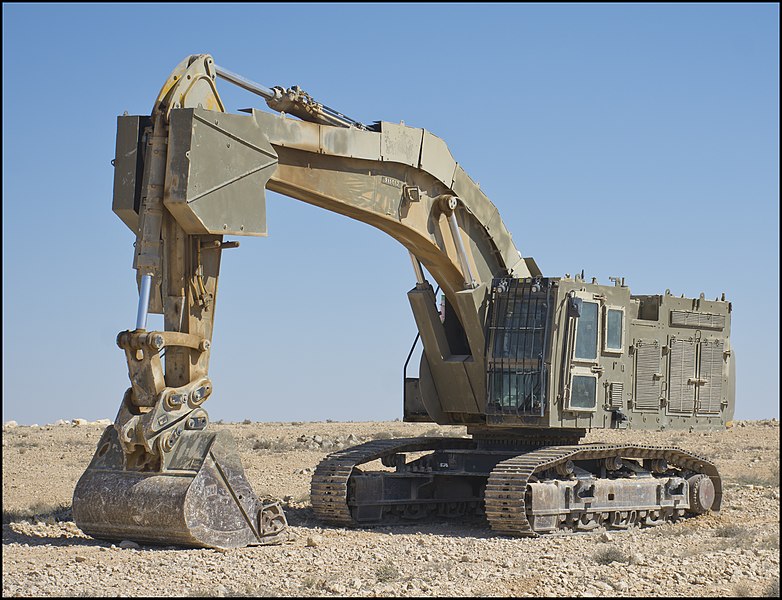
[[299, 518]]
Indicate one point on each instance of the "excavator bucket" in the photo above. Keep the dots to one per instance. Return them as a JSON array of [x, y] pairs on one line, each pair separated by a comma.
[[201, 498]]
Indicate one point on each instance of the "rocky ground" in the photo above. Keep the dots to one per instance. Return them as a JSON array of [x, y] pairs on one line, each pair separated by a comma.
[[734, 553]]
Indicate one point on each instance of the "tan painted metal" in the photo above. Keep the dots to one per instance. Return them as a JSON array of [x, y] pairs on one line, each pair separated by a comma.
[[190, 173]]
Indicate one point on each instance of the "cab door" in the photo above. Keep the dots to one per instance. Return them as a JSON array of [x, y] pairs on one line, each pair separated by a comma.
[[585, 325]]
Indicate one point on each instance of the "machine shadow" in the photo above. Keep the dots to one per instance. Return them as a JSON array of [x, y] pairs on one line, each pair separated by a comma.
[[31, 539], [464, 527]]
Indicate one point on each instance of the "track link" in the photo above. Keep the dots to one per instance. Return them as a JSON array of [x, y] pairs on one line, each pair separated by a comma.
[[329, 487], [506, 488]]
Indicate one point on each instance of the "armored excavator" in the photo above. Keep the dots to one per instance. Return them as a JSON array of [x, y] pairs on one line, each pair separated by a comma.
[[528, 363]]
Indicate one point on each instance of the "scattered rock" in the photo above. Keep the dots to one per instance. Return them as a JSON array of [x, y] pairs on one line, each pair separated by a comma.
[[80, 559], [603, 586], [313, 541], [620, 586], [636, 558], [605, 537], [79, 422], [10, 425]]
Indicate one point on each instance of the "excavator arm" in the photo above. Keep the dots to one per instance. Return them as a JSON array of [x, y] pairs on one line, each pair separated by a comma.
[[189, 174]]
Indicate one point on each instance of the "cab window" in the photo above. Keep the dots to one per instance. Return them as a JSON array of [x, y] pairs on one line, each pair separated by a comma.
[[586, 332], [583, 392], [614, 329]]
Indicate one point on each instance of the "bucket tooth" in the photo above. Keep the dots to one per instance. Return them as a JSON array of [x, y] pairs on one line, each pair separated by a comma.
[[200, 498]]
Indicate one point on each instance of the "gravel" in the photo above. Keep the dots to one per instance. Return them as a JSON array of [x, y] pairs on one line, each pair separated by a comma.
[[733, 553]]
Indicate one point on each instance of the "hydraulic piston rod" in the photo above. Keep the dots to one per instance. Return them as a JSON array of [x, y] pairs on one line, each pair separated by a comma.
[[469, 279], [293, 101], [244, 83], [143, 301]]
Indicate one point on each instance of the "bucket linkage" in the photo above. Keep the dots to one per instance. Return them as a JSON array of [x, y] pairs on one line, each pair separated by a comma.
[[159, 477]]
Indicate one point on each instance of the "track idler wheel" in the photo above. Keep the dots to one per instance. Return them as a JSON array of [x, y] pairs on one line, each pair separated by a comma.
[[200, 498], [702, 493]]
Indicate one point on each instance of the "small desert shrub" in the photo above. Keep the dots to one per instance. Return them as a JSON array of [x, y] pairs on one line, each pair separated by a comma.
[[759, 479], [770, 541], [611, 554], [310, 582], [732, 531], [250, 590], [246, 590], [742, 590], [388, 571], [24, 444], [277, 445], [382, 435], [247, 422]]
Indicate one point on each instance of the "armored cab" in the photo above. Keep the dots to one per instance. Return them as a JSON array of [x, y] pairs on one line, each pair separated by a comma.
[[568, 354]]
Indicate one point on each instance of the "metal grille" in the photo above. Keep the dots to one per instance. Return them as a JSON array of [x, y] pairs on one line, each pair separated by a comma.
[[647, 382], [519, 322], [710, 393], [681, 392], [616, 391], [688, 318]]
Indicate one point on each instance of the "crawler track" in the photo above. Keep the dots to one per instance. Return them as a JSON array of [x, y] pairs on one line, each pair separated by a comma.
[[507, 494], [506, 489]]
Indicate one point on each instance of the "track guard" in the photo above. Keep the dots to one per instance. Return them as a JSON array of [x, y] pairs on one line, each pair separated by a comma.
[[201, 497]]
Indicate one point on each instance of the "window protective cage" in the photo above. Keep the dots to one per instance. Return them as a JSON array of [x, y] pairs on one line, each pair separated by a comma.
[[519, 328]]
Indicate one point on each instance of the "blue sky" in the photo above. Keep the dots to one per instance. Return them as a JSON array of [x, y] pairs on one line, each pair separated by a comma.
[[626, 140]]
